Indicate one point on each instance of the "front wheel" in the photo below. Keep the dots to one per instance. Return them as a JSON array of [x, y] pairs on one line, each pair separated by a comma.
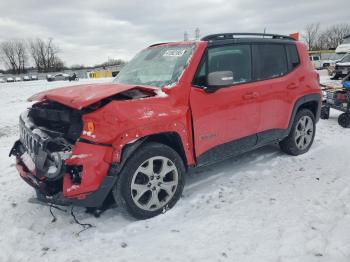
[[151, 181], [301, 135]]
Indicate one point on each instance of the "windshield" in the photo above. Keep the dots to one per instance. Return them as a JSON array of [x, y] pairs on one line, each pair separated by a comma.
[[346, 40], [345, 59], [156, 66]]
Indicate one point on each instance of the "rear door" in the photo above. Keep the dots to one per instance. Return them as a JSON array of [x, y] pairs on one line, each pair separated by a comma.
[[225, 122], [276, 84]]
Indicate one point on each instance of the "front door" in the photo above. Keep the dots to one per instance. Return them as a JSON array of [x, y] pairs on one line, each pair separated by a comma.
[[225, 122]]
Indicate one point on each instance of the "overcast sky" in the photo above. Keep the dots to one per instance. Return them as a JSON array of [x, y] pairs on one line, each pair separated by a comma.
[[90, 32]]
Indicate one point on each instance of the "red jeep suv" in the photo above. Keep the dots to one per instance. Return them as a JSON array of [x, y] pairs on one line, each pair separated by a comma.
[[173, 107]]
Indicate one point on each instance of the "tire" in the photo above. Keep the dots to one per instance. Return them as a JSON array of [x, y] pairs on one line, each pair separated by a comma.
[[324, 112], [146, 192], [344, 120], [301, 135], [335, 76]]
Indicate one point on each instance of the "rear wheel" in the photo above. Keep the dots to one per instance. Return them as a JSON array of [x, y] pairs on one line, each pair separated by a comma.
[[151, 181], [301, 135], [344, 120]]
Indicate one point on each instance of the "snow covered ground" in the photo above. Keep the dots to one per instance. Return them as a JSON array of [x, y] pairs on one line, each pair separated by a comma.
[[262, 206]]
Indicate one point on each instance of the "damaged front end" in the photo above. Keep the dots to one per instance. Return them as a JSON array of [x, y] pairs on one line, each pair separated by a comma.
[[51, 157]]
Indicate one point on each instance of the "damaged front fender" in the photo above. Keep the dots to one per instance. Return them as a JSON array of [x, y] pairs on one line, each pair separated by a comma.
[[93, 162]]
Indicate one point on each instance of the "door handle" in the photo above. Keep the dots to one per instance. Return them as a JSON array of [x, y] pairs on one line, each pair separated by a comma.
[[292, 86], [250, 95]]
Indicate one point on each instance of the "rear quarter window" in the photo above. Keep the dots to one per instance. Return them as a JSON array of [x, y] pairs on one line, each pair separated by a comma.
[[292, 56], [269, 60]]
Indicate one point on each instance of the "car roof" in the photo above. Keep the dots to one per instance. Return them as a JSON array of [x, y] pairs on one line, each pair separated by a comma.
[[225, 36], [230, 38]]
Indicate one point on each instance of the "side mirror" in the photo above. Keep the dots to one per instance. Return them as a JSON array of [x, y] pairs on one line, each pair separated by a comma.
[[220, 78]]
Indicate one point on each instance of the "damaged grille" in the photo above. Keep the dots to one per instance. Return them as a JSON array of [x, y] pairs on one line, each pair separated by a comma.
[[48, 131], [29, 140], [57, 120]]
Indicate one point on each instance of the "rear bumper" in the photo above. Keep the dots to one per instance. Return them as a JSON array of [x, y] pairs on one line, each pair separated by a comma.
[[97, 176]]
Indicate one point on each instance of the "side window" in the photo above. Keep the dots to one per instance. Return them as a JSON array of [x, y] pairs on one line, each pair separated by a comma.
[[270, 61], [293, 57], [234, 58]]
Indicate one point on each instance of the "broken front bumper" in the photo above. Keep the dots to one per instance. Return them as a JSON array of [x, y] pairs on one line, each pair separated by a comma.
[[97, 177], [85, 176]]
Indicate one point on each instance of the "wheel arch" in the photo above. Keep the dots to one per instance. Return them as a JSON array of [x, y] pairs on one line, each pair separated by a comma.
[[171, 139], [311, 102]]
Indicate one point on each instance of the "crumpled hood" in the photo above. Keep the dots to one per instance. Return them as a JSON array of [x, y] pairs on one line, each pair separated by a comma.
[[81, 96]]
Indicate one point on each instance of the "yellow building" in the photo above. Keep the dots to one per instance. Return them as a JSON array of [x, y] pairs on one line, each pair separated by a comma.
[[100, 73]]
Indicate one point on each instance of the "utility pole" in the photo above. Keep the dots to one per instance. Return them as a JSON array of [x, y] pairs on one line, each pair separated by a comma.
[[185, 36], [197, 34]]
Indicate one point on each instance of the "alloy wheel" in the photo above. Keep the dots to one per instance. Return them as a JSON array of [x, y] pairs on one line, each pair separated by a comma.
[[304, 132], [154, 183]]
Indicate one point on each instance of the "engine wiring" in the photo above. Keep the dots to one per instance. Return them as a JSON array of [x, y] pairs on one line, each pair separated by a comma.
[[85, 226]]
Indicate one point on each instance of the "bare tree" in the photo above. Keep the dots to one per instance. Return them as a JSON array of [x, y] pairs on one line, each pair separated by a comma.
[[21, 55], [322, 42], [14, 55], [8, 55], [34, 50], [311, 35], [45, 55], [333, 35]]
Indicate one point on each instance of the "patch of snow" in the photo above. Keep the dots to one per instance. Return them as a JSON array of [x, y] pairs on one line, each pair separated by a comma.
[[89, 133], [52, 169], [81, 156], [160, 92], [72, 188], [132, 141], [171, 85], [147, 114], [28, 161]]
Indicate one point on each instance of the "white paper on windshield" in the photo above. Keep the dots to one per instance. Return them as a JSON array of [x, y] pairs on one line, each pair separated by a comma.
[[174, 52]]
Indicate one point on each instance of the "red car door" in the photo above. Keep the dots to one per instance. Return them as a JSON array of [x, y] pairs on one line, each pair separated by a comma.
[[225, 122], [276, 81]]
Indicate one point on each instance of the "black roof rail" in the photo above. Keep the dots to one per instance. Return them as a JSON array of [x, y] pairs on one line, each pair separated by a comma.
[[226, 36]]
